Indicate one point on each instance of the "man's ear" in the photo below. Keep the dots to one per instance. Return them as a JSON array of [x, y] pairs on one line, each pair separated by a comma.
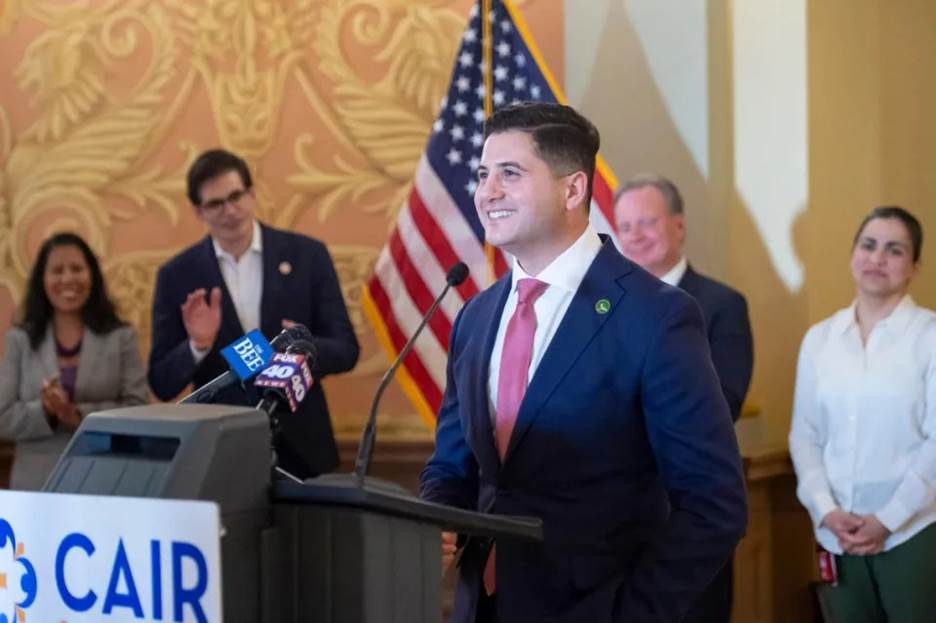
[[680, 221], [576, 189]]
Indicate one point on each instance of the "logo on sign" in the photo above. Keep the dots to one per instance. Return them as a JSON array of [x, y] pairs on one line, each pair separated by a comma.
[[289, 373], [248, 355], [18, 584]]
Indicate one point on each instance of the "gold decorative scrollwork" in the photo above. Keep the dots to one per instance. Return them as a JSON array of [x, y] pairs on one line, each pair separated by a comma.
[[265, 40], [354, 264], [130, 279], [85, 138], [329, 101], [384, 114], [9, 13]]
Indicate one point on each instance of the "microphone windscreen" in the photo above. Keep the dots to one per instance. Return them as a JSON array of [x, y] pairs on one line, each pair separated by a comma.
[[289, 336], [457, 274], [307, 349], [289, 376]]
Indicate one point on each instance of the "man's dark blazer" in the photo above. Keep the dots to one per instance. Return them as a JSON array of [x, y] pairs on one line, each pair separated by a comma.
[[623, 446], [299, 284], [729, 334]]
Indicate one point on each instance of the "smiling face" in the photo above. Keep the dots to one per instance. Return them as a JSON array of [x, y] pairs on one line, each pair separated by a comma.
[[67, 279], [882, 259], [526, 209], [650, 234]]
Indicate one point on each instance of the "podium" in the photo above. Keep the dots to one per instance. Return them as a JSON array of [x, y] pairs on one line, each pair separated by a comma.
[[371, 554], [323, 550]]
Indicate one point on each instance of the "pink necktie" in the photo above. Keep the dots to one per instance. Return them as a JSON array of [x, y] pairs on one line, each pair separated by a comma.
[[512, 378], [515, 361]]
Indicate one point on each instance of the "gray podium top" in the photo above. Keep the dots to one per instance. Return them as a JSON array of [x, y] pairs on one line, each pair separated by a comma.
[[208, 452]]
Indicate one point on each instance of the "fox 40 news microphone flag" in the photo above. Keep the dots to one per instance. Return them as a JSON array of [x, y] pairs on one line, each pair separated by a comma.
[[497, 64], [289, 376]]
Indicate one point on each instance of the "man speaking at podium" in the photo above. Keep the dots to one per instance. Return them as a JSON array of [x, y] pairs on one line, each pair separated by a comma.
[[580, 390], [245, 275]]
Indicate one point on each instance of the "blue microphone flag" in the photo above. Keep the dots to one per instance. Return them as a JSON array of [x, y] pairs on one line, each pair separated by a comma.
[[248, 355]]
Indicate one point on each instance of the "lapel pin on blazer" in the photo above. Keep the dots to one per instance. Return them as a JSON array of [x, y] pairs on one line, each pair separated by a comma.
[[285, 268], [603, 306]]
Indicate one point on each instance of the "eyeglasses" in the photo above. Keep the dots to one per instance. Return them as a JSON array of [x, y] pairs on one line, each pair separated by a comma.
[[216, 204]]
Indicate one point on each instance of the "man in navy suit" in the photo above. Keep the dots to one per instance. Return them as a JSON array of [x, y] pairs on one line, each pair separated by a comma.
[[648, 213], [619, 437], [245, 275]]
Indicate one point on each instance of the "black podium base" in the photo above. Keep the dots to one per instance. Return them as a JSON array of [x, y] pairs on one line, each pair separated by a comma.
[[370, 554]]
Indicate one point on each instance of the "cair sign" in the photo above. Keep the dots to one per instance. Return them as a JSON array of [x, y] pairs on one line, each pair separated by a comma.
[[84, 558]]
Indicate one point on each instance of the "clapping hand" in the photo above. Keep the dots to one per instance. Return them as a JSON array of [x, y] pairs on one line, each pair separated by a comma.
[[56, 403], [201, 316]]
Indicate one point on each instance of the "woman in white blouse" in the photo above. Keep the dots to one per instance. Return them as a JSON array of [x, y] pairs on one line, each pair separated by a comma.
[[863, 439]]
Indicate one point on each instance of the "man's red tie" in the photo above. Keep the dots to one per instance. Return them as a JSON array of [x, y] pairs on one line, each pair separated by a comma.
[[512, 379]]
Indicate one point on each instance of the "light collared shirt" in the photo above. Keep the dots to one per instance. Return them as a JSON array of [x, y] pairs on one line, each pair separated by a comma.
[[676, 273], [243, 277], [864, 421], [564, 275]]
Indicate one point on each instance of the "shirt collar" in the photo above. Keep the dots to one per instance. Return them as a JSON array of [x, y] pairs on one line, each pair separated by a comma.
[[676, 273], [256, 243], [569, 268], [899, 317]]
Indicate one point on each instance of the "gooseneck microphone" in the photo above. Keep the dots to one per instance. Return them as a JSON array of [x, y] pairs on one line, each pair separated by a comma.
[[455, 276], [208, 392]]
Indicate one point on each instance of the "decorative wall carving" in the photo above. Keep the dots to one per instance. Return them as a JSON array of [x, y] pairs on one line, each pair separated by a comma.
[[105, 102]]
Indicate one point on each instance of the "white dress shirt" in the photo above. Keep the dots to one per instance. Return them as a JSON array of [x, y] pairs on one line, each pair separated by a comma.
[[564, 275], [243, 277], [676, 273], [864, 421]]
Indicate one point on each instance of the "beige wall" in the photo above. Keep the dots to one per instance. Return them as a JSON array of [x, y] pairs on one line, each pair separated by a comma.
[[103, 106], [874, 134], [816, 112]]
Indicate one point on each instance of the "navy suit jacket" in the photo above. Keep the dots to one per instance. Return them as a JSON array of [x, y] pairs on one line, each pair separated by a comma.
[[729, 334], [307, 292], [623, 445]]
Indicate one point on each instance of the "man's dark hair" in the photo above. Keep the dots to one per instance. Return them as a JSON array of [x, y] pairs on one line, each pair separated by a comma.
[[36, 311], [562, 138], [914, 229], [667, 188], [210, 165]]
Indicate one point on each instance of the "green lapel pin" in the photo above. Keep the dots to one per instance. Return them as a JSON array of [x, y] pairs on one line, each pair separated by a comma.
[[603, 306]]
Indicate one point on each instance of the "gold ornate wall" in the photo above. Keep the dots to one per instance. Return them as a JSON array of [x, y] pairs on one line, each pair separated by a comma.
[[103, 103]]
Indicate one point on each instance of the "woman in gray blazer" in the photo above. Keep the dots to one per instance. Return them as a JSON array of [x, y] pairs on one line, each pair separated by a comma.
[[68, 355]]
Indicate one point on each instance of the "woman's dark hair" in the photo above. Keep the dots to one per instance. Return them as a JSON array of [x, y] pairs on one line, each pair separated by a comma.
[[35, 314], [914, 229]]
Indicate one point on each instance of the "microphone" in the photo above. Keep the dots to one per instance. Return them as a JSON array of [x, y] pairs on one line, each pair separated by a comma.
[[287, 380], [247, 356], [455, 276]]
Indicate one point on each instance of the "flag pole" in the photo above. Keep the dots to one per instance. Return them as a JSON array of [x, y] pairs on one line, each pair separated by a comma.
[[487, 73]]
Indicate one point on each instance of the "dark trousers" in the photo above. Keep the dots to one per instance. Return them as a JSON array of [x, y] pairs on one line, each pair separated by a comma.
[[896, 586], [487, 608], [714, 604]]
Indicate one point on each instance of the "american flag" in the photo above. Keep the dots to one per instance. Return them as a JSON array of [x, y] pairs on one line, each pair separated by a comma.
[[497, 64]]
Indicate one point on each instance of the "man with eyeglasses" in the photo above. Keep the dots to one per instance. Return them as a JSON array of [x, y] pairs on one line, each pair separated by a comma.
[[245, 275]]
